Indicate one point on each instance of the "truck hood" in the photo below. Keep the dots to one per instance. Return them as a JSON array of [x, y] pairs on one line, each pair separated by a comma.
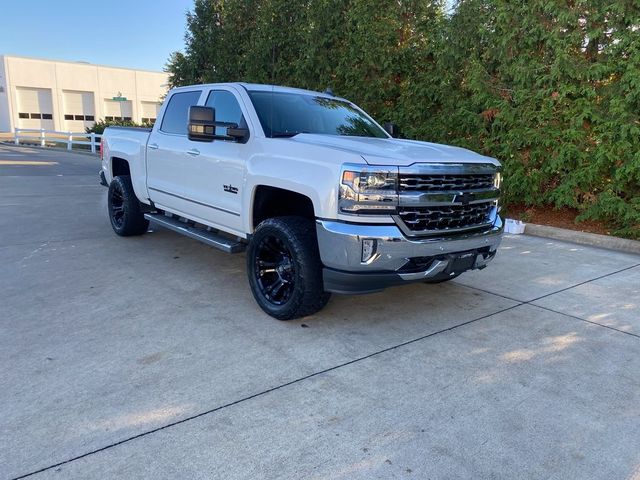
[[391, 151]]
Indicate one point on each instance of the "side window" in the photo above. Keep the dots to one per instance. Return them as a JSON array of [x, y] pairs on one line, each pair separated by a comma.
[[176, 115], [226, 107]]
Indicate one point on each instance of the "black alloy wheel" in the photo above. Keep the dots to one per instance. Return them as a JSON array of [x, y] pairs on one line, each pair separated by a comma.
[[116, 207], [125, 212], [274, 270], [284, 268]]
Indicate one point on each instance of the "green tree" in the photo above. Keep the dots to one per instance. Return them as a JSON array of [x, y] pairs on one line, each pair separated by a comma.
[[552, 89]]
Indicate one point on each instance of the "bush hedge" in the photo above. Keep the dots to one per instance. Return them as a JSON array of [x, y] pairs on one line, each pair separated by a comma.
[[552, 89], [100, 125]]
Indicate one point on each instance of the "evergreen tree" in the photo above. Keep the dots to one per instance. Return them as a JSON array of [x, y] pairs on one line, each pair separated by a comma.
[[552, 89]]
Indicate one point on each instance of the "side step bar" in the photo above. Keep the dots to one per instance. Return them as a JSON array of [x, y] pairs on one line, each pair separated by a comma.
[[210, 238]]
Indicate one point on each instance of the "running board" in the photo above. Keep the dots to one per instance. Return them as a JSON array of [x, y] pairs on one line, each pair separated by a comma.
[[210, 238]]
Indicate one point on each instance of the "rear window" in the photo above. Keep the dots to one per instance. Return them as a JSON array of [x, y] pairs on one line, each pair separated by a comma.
[[176, 115]]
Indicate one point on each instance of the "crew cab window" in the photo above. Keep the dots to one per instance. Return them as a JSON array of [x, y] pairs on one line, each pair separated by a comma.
[[227, 109], [176, 115]]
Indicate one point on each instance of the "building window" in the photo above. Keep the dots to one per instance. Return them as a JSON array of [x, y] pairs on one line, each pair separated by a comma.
[[36, 116], [150, 121], [86, 118], [127, 119]]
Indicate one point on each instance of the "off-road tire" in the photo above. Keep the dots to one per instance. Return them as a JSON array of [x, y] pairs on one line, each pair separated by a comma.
[[299, 262], [125, 212]]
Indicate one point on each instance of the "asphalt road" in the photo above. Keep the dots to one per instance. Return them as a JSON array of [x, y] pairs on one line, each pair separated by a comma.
[[147, 358]]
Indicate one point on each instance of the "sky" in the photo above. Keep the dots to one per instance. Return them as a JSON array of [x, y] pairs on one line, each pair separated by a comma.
[[135, 33]]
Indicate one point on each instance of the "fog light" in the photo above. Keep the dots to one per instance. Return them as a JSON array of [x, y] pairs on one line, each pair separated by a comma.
[[368, 249]]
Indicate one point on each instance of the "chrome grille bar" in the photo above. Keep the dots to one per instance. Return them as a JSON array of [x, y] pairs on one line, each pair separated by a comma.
[[437, 199], [443, 183]]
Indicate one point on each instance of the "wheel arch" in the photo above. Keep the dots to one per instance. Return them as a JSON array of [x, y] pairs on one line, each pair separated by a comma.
[[119, 166], [269, 201]]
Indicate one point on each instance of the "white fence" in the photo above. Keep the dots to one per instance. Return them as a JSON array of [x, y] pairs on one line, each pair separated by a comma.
[[30, 135]]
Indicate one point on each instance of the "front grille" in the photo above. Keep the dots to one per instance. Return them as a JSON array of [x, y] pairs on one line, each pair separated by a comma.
[[449, 217], [440, 183]]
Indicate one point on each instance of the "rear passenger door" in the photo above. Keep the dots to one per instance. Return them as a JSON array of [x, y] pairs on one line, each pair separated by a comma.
[[170, 167]]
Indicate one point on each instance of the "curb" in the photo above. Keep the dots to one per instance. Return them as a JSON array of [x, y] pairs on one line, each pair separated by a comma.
[[583, 238]]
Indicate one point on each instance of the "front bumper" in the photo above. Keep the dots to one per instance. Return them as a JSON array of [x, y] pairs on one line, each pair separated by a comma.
[[397, 260]]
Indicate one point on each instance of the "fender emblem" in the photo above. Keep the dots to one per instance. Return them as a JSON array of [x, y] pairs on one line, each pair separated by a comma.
[[230, 189]]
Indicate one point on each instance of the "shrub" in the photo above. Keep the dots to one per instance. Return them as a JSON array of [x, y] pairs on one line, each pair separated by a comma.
[[101, 124]]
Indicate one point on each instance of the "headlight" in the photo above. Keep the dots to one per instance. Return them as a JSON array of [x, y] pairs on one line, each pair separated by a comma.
[[368, 190]]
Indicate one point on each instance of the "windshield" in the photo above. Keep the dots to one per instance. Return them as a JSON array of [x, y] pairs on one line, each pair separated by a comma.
[[287, 114]]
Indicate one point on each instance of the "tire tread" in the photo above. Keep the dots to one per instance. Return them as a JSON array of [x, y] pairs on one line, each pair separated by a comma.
[[301, 234], [134, 221]]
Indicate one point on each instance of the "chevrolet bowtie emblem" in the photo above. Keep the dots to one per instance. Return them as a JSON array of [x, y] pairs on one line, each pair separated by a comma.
[[465, 198]]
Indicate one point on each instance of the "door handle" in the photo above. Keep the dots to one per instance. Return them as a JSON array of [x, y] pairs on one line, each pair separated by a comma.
[[193, 152], [153, 146]]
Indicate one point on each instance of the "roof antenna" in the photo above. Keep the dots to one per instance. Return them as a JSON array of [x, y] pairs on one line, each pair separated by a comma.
[[328, 91]]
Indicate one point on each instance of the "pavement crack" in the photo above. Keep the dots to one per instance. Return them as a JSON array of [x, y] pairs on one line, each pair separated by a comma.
[[575, 317], [585, 282], [585, 320], [37, 242], [264, 392], [490, 293]]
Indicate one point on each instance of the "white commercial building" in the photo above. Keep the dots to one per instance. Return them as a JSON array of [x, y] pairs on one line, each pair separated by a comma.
[[69, 96]]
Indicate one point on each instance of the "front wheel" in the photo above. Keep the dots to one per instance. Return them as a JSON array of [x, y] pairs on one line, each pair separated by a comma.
[[124, 208], [284, 268]]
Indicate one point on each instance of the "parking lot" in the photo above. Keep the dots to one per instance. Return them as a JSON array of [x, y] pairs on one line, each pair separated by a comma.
[[146, 357]]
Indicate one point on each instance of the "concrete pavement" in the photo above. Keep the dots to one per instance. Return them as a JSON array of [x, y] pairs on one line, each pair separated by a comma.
[[147, 358]]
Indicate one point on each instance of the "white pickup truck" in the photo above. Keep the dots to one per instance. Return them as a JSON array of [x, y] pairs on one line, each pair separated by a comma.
[[322, 198]]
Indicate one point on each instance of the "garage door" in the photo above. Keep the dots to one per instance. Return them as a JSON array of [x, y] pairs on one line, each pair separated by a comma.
[[114, 110], [79, 110], [149, 112], [35, 108]]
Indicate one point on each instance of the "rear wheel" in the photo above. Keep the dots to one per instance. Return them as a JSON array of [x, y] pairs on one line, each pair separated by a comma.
[[284, 268], [125, 213]]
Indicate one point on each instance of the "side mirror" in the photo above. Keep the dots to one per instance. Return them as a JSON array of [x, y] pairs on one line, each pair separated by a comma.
[[202, 124], [392, 129], [241, 135]]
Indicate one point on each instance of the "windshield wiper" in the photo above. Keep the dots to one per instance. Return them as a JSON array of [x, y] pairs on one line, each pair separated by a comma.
[[285, 134]]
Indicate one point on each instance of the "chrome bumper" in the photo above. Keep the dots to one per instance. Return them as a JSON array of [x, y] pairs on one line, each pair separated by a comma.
[[397, 259]]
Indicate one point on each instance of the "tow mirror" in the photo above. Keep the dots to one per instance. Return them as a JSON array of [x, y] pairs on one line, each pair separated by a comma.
[[241, 135], [392, 129], [202, 124]]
